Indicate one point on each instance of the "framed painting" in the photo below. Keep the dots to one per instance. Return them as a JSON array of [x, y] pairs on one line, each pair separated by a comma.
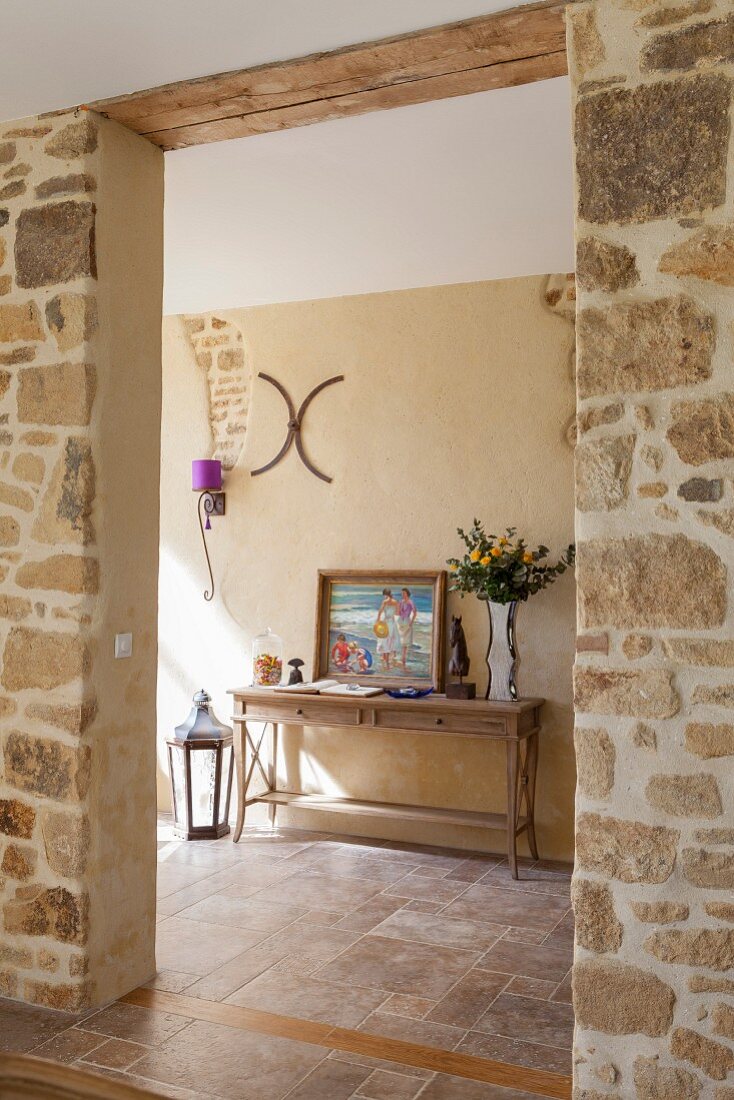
[[381, 627]]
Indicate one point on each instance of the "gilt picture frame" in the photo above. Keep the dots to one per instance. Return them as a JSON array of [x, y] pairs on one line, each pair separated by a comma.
[[384, 628]]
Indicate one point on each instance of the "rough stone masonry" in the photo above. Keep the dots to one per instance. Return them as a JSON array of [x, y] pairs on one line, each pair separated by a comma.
[[653, 87], [48, 565], [76, 881]]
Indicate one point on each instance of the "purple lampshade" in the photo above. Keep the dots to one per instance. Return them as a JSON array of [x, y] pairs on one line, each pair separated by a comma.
[[206, 475]]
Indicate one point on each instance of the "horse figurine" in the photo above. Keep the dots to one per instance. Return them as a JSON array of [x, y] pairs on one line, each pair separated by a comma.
[[459, 663]]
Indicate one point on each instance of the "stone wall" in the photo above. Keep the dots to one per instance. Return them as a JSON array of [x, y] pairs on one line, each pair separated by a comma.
[[63, 400], [653, 84]]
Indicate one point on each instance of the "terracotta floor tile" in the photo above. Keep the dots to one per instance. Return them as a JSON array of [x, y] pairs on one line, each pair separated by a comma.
[[68, 1046], [311, 890], [116, 1054], [529, 1019], [293, 964], [271, 850], [525, 935], [469, 999], [426, 871], [229, 1063], [198, 855], [332, 1080], [197, 947], [139, 1025], [248, 873], [308, 999], [384, 1085], [501, 1049], [402, 1004], [444, 1087], [440, 857], [564, 993], [548, 962], [175, 903], [447, 931], [171, 981], [353, 864], [310, 941], [531, 987], [174, 877], [509, 907], [223, 981], [399, 966], [424, 1032], [23, 1027], [238, 912], [318, 916], [366, 1061], [417, 905], [426, 889], [372, 913], [469, 871], [532, 880]]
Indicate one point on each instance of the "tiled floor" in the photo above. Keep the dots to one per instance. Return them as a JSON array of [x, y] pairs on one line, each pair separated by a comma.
[[427, 946]]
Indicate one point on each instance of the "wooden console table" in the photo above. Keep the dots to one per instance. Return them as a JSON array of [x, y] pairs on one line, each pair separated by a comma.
[[516, 724]]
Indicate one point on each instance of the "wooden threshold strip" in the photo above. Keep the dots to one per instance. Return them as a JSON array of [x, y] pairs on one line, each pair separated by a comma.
[[501, 50], [536, 1081]]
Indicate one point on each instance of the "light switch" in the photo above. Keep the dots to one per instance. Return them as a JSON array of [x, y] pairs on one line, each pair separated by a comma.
[[123, 645]]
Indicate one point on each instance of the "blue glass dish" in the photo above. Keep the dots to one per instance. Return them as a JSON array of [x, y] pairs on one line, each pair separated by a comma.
[[408, 693]]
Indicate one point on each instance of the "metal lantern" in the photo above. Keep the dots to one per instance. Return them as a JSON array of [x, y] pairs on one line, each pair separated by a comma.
[[200, 761]]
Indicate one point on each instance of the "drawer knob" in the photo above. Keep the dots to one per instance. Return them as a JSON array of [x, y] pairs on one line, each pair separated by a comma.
[[299, 712], [439, 721]]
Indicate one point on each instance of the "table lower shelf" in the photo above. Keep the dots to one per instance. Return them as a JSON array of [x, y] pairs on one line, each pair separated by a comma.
[[333, 804]]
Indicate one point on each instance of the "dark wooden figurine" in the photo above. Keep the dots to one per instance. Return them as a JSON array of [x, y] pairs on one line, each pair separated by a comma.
[[459, 663], [296, 676]]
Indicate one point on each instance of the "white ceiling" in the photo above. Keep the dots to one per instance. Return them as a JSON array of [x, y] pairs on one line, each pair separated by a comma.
[[58, 53], [456, 190]]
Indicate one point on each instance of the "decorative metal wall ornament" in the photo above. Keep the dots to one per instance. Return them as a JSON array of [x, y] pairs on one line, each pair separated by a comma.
[[295, 422]]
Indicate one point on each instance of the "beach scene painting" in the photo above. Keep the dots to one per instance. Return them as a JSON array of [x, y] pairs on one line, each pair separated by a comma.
[[381, 628]]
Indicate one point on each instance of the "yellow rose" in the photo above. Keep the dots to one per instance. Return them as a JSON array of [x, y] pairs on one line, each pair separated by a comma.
[[496, 552], [475, 555], [453, 567], [485, 561], [527, 557], [503, 541]]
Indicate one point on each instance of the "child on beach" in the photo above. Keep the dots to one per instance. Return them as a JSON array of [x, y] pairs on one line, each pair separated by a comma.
[[340, 653]]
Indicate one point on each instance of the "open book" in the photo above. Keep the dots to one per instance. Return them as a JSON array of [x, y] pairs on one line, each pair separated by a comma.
[[328, 687], [307, 689], [351, 689]]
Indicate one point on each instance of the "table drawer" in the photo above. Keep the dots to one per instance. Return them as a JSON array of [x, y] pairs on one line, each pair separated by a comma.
[[397, 719], [303, 712]]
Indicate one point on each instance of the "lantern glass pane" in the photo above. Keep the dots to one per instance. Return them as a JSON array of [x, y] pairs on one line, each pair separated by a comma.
[[203, 775], [178, 781], [223, 784]]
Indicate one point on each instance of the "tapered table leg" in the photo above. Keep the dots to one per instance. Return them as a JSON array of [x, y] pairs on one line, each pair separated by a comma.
[[273, 772], [239, 762], [531, 768], [512, 770]]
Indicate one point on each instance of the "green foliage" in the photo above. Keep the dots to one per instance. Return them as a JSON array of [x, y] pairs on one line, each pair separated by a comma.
[[503, 569]]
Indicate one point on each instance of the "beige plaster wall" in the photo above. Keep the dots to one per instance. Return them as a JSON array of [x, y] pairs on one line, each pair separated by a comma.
[[654, 90], [127, 447], [455, 404], [81, 205]]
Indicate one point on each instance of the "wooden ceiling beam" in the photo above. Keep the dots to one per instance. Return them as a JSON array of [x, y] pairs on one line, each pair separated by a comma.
[[494, 51]]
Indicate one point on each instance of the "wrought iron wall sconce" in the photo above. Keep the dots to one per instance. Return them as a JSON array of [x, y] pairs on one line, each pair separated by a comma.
[[206, 479]]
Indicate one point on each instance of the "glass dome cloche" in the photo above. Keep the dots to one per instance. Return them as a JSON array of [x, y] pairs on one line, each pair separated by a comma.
[[267, 659]]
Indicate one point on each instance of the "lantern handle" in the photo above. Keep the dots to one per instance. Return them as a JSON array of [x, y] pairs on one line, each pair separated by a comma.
[[209, 508]]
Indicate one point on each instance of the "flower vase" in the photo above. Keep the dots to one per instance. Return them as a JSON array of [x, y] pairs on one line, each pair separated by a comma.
[[502, 658]]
